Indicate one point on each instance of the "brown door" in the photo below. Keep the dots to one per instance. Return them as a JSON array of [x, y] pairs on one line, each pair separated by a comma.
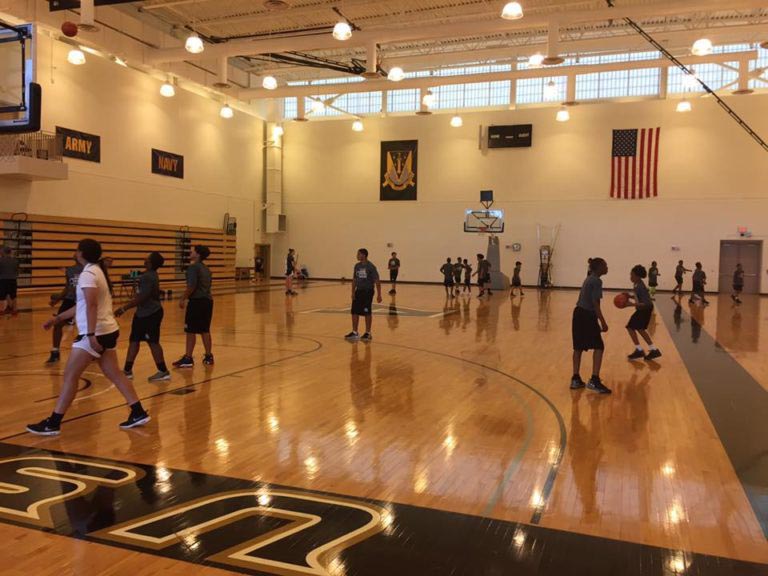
[[747, 252], [263, 251]]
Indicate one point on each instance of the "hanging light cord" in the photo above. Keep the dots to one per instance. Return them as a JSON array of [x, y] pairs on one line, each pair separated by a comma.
[[730, 111]]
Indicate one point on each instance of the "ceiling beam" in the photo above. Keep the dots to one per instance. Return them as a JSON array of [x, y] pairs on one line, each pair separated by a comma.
[[432, 81], [678, 41], [460, 30]]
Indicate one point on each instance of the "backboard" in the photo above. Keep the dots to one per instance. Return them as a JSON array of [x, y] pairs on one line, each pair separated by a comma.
[[484, 221], [19, 96]]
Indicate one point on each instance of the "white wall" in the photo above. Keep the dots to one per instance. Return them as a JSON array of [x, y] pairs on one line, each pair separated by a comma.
[[712, 178], [223, 159]]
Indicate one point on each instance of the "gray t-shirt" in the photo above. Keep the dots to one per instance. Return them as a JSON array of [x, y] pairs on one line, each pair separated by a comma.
[[653, 275], [643, 295], [149, 283], [72, 274], [679, 271], [516, 274], [365, 275], [591, 293], [199, 278], [483, 268], [9, 268]]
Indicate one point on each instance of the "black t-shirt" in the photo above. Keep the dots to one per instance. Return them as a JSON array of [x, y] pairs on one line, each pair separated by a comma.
[[289, 264], [366, 275], [738, 278], [394, 264], [653, 275], [447, 270]]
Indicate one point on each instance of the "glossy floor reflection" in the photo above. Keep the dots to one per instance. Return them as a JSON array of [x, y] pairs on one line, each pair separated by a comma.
[[457, 406]]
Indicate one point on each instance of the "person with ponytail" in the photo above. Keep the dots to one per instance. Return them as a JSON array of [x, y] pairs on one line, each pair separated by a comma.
[[98, 333]]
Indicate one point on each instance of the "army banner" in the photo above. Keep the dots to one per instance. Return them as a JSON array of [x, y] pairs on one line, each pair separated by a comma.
[[80, 145], [398, 170]]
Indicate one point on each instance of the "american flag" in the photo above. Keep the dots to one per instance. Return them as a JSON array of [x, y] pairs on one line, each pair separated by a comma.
[[635, 163]]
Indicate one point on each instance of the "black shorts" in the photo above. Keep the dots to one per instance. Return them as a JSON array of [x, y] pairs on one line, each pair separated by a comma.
[[679, 280], [448, 282], [468, 281], [586, 330], [65, 305], [516, 282], [289, 272], [197, 320], [640, 319], [107, 341], [482, 280], [362, 303], [393, 275], [457, 279], [147, 329], [698, 288], [738, 287], [653, 284], [8, 289]]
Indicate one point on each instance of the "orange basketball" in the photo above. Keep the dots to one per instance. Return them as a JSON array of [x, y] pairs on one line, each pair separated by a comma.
[[621, 300], [69, 29]]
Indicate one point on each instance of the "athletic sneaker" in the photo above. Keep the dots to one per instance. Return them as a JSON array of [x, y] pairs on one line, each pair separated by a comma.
[[184, 362], [352, 336], [595, 384], [159, 376], [653, 354], [636, 355], [128, 374], [366, 337], [54, 357], [577, 383], [208, 359], [137, 419], [44, 428]]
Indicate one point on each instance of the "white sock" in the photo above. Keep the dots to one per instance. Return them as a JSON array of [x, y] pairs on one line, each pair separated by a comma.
[[54, 349], [652, 347], [639, 348]]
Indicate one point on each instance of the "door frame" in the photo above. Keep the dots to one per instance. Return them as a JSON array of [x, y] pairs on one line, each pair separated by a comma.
[[267, 258], [745, 241]]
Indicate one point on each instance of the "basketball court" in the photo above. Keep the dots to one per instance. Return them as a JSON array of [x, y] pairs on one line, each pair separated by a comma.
[[448, 440]]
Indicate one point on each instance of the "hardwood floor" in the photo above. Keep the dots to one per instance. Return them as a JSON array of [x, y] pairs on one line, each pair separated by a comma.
[[460, 405]]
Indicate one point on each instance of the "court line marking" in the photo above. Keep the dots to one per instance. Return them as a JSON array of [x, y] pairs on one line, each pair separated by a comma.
[[546, 491], [191, 384]]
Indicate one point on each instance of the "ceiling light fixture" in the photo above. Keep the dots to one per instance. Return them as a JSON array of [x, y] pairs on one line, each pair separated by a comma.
[[226, 112], [536, 60], [269, 82], [512, 11], [702, 47], [342, 30], [429, 99], [396, 74], [357, 125], [76, 57], [457, 121], [684, 105], [167, 89], [317, 106], [550, 90], [193, 44], [563, 115]]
